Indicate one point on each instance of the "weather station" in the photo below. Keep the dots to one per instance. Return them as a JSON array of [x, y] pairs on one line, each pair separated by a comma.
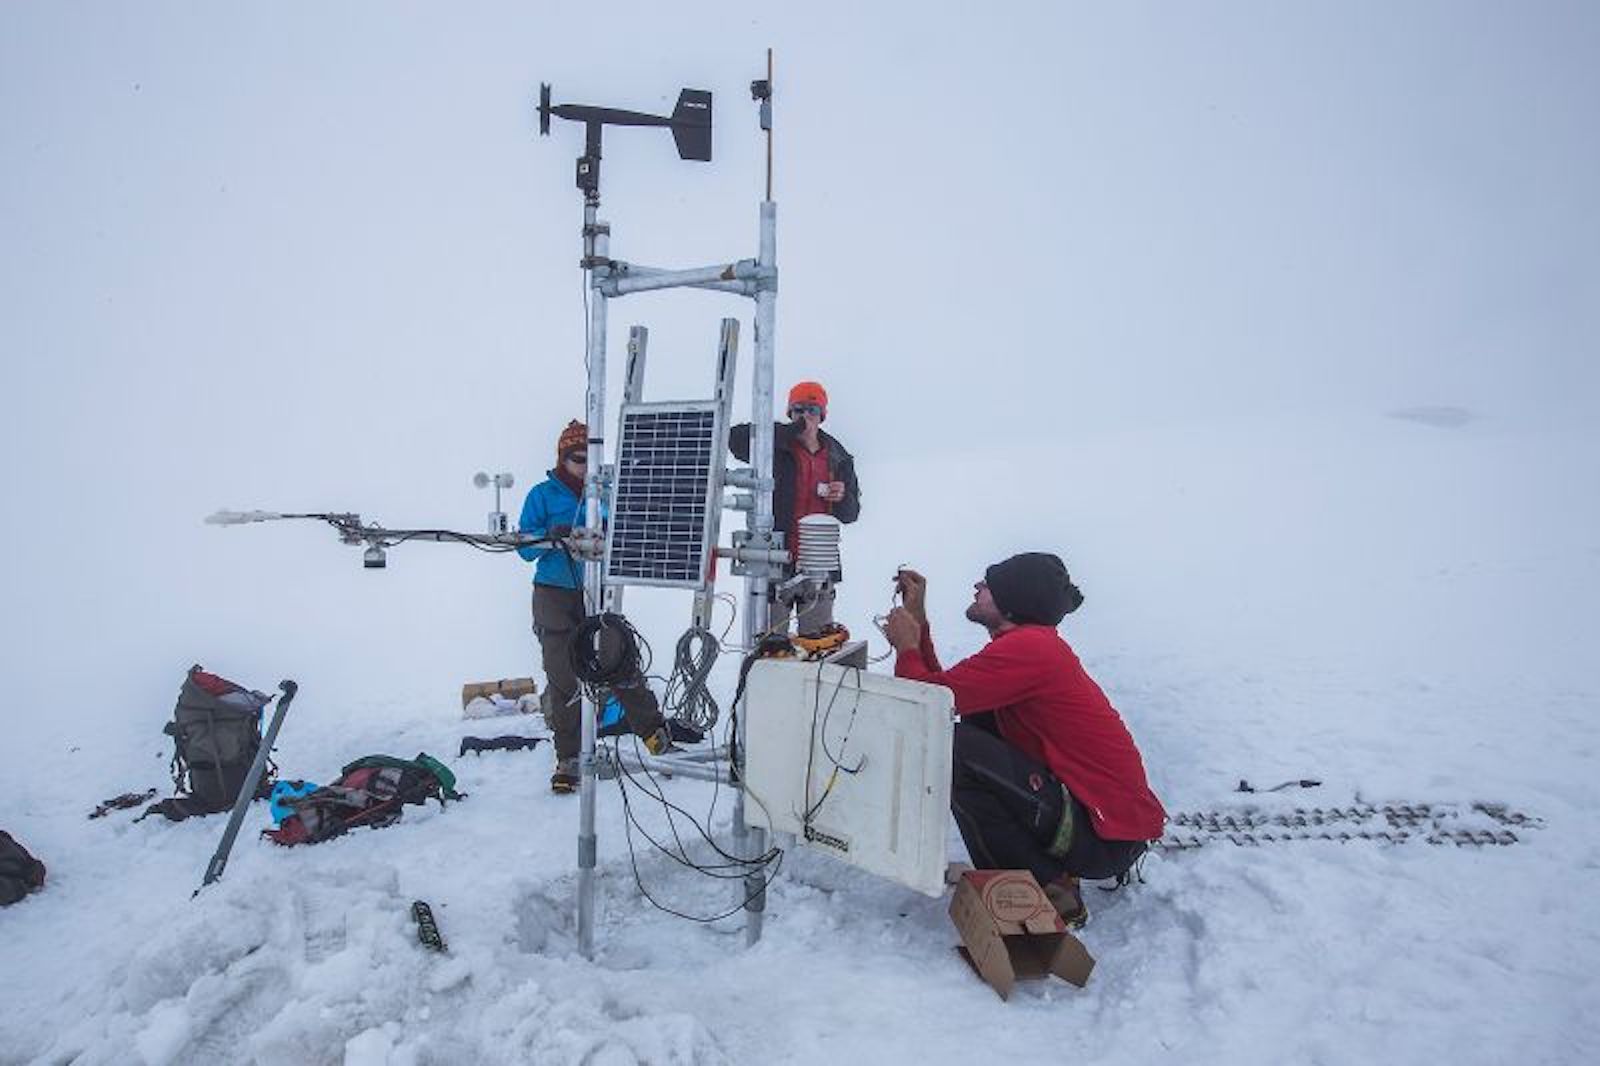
[[829, 757]]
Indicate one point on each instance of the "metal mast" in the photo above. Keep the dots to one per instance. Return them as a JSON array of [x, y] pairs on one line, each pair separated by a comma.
[[758, 553]]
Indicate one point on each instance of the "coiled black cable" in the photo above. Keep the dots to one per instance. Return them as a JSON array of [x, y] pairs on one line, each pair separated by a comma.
[[608, 653]]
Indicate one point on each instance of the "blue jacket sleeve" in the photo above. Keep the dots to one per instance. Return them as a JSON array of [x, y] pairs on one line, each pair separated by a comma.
[[536, 520]]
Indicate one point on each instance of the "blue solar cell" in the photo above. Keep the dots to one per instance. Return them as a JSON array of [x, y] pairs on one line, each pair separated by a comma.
[[662, 500]]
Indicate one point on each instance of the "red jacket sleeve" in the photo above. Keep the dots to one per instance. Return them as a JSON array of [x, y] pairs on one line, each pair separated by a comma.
[[998, 676], [922, 657]]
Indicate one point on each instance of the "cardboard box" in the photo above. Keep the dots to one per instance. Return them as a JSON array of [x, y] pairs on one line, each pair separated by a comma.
[[1010, 932], [510, 688]]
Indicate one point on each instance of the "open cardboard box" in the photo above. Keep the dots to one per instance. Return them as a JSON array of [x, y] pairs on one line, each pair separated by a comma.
[[1010, 932], [510, 688]]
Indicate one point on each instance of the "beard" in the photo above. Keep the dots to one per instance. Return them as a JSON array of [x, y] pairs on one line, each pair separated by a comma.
[[986, 615]]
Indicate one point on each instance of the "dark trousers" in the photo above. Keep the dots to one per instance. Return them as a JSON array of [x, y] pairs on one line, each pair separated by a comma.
[[556, 614], [1009, 809]]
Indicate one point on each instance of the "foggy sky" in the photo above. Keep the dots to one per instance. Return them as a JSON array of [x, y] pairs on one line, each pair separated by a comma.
[[307, 256]]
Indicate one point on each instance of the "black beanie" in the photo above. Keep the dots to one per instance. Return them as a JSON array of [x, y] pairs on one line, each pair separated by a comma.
[[1033, 589]]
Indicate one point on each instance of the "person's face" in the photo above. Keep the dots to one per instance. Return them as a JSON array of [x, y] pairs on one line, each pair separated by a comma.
[[808, 414], [577, 463], [982, 609]]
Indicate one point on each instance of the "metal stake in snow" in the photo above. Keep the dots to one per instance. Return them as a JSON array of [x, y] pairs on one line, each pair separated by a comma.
[[758, 553], [247, 791]]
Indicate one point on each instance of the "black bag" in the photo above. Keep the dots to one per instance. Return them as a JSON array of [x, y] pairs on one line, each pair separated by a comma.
[[20, 873], [216, 730]]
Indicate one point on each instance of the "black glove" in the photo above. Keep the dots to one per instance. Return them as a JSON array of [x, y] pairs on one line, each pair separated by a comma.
[[560, 532]]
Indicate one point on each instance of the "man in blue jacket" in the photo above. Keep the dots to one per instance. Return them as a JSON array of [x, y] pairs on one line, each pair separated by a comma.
[[552, 509]]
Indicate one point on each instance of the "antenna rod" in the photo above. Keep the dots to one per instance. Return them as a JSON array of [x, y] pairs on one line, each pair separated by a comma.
[[761, 93], [767, 123]]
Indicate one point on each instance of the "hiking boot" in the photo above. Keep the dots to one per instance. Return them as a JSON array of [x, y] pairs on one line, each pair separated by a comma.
[[660, 742], [680, 732], [1067, 898], [565, 779]]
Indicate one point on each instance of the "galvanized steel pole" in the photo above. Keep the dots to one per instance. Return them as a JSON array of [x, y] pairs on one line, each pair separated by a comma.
[[597, 242], [751, 839]]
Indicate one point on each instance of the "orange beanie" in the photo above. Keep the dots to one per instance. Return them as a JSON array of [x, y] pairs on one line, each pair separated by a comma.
[[809, 392], [573, 439]]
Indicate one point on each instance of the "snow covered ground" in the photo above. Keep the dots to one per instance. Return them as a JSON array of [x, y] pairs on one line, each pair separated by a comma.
[[1362, 657], [1280, 327]]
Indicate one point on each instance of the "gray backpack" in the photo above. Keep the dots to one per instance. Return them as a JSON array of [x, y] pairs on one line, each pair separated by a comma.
[[216, 732]]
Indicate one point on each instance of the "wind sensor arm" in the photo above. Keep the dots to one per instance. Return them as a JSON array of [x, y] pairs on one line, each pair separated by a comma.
[[378, 539], [690, 123]]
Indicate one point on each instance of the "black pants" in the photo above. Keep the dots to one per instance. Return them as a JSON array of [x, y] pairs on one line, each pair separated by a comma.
[[1009, 809]]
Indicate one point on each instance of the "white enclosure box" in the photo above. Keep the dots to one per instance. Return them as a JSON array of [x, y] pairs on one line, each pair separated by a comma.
[[808, 725]]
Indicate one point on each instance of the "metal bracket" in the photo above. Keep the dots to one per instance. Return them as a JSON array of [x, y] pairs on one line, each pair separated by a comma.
[[587, 544], [757, 555], [744, 477]]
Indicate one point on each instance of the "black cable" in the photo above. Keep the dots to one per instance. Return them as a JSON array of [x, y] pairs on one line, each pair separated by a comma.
[[448, 536], [659, 795], [624, 667], [681, 856], [819, 738], [763, 645], [735, 868], [390, 538], [838, 760], [575, 568]]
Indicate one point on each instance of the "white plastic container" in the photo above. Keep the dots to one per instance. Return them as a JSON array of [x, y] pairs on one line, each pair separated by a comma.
[[806, 722]]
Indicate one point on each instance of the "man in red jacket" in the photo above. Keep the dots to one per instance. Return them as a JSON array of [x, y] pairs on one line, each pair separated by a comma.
[[1045, 775]]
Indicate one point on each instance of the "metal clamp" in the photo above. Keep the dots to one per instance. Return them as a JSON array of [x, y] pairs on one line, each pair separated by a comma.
[[755, 554]]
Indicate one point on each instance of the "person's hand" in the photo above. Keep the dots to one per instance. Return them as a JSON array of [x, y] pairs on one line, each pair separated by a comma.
[[913, 594], [835, 491], [904, 631]]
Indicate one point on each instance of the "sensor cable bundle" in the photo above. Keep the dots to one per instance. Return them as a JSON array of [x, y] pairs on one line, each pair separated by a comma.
[[732, 867], [608, 653], [688, 698]]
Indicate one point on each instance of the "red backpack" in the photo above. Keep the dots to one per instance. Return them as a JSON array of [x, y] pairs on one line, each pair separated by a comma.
[[371, 791]]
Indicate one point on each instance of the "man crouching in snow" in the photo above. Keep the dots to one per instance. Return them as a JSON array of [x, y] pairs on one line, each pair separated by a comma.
[[1045, 776]]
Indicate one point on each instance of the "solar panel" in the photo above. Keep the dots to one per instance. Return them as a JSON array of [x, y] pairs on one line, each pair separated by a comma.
[[665, 498]]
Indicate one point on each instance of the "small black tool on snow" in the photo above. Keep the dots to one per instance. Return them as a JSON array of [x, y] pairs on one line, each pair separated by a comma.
[[122, 802], [427, 928], [505, 743], [1245, 786]]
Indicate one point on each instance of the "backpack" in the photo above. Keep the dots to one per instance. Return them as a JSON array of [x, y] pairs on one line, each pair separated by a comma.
[[20, 872], [371, 791], [216, 732]]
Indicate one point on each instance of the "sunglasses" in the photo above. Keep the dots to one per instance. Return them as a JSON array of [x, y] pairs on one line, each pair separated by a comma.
[[806, 409], [578, 459]]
